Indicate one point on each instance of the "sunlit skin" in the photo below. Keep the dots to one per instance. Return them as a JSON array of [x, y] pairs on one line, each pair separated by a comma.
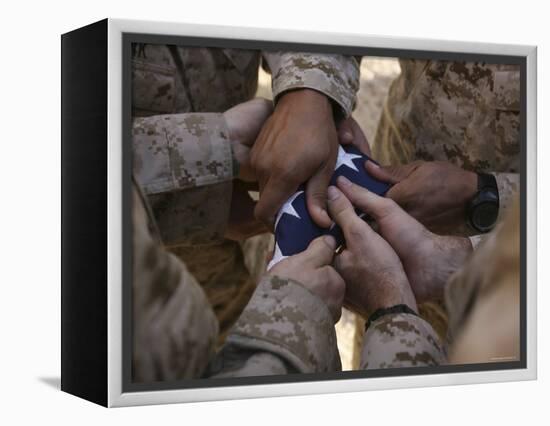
[[373, 273], [434, 192], [312, 268], [427, 259], [298, 143]]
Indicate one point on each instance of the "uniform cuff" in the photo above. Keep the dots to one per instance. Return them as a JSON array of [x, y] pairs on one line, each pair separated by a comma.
[[285, 318], [184, 164], [401, 340], [180, 151], [335, 76], [508, 186]]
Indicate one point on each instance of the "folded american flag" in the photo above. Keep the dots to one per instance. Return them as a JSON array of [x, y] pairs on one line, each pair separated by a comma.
[[294, 228]]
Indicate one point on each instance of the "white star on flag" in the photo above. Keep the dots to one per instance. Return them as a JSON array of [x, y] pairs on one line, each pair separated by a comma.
[[288, 208], [277, 257], [346, 159]]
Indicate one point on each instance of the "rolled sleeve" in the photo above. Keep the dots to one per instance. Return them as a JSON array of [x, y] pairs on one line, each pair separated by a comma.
[[336, 76], [184, 164], [508, 186], [285, 319], [401, 340]]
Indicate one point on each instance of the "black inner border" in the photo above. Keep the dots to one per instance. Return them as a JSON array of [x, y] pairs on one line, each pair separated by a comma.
[[129, 38]]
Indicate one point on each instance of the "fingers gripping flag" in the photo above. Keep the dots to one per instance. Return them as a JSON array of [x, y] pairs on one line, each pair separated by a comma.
[[294, 228]]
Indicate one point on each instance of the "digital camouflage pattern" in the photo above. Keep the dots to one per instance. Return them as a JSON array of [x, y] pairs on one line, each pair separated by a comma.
[[183, 163], [284, 328], [467, 113], [288, 321], [401, 340], [174, 79], [174, 330], [171, 80], [329, 74]]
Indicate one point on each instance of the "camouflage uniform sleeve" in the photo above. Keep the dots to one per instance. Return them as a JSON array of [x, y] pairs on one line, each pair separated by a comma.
[[401, 340], [184, 164], [336, 76], [508, 186], [174, 327], [284, 329]]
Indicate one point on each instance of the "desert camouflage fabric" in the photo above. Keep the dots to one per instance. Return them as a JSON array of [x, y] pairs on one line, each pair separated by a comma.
[[173, 334], [290, 327], [172, 80], [284, 328], [467, 113], [483, 304], [401, 340], [183, 163]]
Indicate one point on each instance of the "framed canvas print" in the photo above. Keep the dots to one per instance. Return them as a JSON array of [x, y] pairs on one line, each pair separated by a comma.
[[252, 212]]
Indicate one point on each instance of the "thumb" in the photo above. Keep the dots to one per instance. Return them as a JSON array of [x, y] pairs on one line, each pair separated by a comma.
[[345, 132], [344, 215], [319, 252]]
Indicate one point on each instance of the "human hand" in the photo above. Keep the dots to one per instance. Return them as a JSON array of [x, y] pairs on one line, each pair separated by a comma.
[[244, 122], [350, 133], [434, 192], [428, 259], [242, 223], [297, 144], [312, 268], [372, 270]]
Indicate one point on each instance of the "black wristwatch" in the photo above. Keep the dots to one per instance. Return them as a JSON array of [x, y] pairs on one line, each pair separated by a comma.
[[482, 210]]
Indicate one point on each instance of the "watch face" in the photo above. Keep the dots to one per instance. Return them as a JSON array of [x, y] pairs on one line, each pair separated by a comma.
[[485, 215]]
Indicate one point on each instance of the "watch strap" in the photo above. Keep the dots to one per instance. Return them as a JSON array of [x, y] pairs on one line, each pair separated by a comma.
[[486, 181], [396, 309]]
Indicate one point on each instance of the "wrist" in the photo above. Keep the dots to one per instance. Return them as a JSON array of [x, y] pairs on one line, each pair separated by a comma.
[[307, 97], [394, 293], [469, 180], [483, 209], [390, 310], [450, 255]]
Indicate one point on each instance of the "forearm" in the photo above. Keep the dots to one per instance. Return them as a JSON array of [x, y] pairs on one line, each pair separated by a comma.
[[284, 329], [400, 340]]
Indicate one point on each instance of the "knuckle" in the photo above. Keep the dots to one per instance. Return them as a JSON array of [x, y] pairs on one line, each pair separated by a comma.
[[283, 172], [316, 193], [387, 205], [356, 230]]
